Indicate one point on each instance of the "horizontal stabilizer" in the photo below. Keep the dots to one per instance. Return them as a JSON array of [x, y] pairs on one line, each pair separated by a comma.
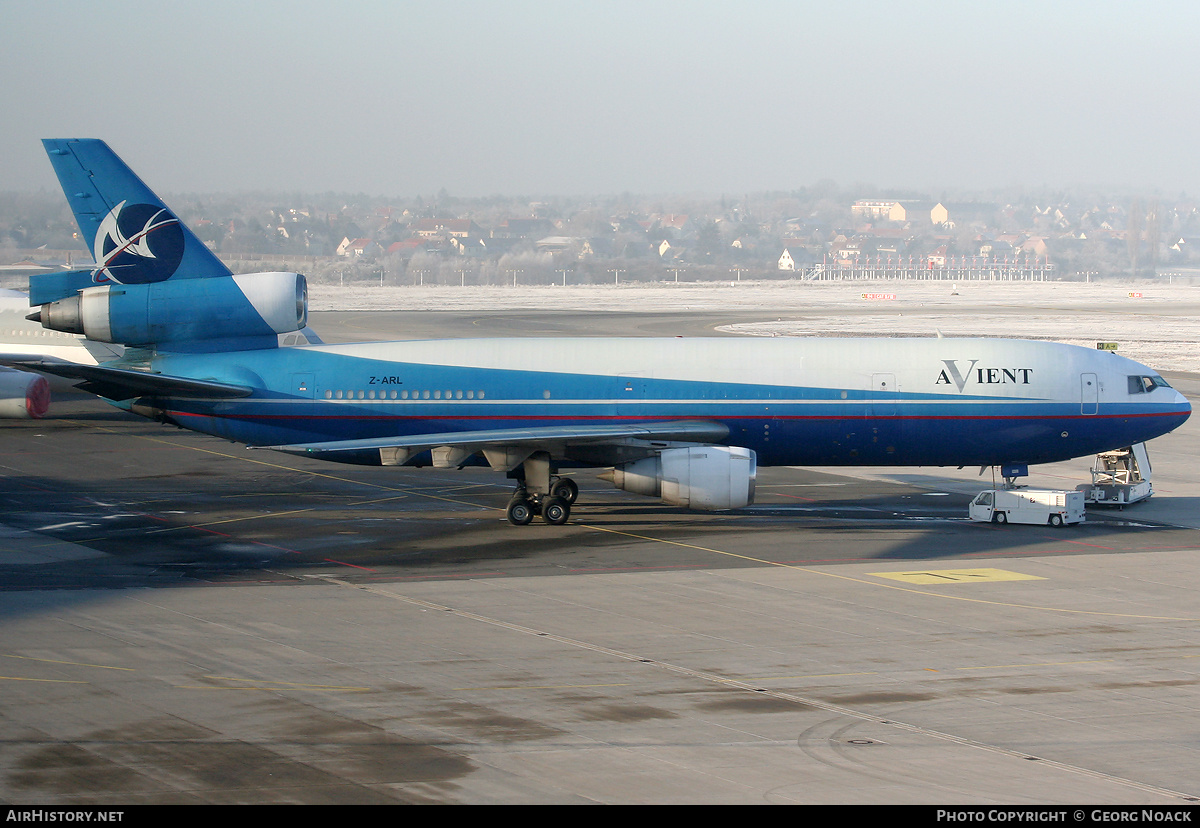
[[126, 384], [557, 435], [50, 287]]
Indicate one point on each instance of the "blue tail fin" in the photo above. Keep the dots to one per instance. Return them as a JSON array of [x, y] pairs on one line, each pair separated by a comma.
[[134, 237], [154, 285]]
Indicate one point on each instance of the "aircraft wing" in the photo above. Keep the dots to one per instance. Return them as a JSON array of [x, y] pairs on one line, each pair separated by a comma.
[[123, 383], [503, 446]]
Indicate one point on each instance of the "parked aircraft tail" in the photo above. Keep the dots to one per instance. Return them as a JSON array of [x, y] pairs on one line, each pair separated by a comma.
[[154, 283], [134, 237]]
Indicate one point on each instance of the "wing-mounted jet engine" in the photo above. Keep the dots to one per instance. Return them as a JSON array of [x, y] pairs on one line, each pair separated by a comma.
[[697, 477]]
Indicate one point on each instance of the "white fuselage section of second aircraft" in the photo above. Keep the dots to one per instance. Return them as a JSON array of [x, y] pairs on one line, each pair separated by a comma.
[[24, 395], [19, 335]]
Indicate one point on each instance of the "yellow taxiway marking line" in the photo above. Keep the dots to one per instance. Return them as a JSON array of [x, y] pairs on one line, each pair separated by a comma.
[[400, 492], [226, 520], [743, 684], [810, 676], [750, 558], [74, 663], [291, 683], [275, 687], [956, 576], [52, 681], [266, 515], [1038, 664], [944, 596], [542, 687], [409, 491]]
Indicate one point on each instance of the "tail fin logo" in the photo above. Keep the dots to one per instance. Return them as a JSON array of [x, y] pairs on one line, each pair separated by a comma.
[[137, 243]]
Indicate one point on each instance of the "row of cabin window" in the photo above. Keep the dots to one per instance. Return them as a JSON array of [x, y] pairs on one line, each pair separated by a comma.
[[42, 332], [403, 395]]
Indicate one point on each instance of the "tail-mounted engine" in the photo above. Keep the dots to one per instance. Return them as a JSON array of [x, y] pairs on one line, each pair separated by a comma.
[[183, 310], [699, 477]]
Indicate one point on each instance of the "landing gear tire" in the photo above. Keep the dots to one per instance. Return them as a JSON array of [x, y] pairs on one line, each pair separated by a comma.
[[1056, 520], [520, 512], [1000, 517], [555, 511], [566, 489]]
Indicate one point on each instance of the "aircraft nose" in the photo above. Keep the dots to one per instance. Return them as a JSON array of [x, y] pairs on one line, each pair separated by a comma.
[[1177, 410], [1185, 407]]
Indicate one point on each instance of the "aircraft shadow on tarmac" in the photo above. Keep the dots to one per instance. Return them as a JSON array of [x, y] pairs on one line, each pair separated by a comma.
[[171, 508], [173, 529]]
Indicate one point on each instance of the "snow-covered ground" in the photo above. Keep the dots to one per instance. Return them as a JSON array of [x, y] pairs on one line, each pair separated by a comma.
[[1154, 323]]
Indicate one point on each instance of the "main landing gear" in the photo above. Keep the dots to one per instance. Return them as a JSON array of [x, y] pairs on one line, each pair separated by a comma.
[[554, 507]]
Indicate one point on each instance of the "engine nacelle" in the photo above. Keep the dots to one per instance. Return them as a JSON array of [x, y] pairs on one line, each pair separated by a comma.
[[23, 396], [698, 477], [183, 310]]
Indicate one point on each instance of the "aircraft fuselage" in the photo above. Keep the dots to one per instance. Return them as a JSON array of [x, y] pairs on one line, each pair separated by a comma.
[[794, 401]]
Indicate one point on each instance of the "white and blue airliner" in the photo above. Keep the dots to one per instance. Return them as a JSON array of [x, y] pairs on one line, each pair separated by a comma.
[[685, 420]]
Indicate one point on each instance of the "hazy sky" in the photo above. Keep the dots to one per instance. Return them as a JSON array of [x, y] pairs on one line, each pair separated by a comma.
[[545, 98]]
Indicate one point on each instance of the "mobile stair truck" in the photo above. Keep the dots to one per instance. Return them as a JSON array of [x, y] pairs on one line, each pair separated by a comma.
[[1034, 506], [1120, 477]]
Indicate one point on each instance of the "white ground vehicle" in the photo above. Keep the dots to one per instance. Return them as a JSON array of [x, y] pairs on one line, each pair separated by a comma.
[[1120, 477], [1035, 506]]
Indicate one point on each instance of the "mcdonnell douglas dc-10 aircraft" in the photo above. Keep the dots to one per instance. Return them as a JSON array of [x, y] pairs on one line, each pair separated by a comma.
[[685, 420]]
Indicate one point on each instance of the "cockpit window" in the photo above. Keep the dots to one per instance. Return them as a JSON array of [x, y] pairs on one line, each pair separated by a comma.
[[1144, 385]]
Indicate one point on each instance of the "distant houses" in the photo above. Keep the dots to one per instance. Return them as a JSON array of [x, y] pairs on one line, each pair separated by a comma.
[[440, 228], [785, 233], [901, 212], [357, 248]]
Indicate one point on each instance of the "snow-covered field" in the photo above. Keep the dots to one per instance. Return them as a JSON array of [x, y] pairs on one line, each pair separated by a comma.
[[1158, 324]]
